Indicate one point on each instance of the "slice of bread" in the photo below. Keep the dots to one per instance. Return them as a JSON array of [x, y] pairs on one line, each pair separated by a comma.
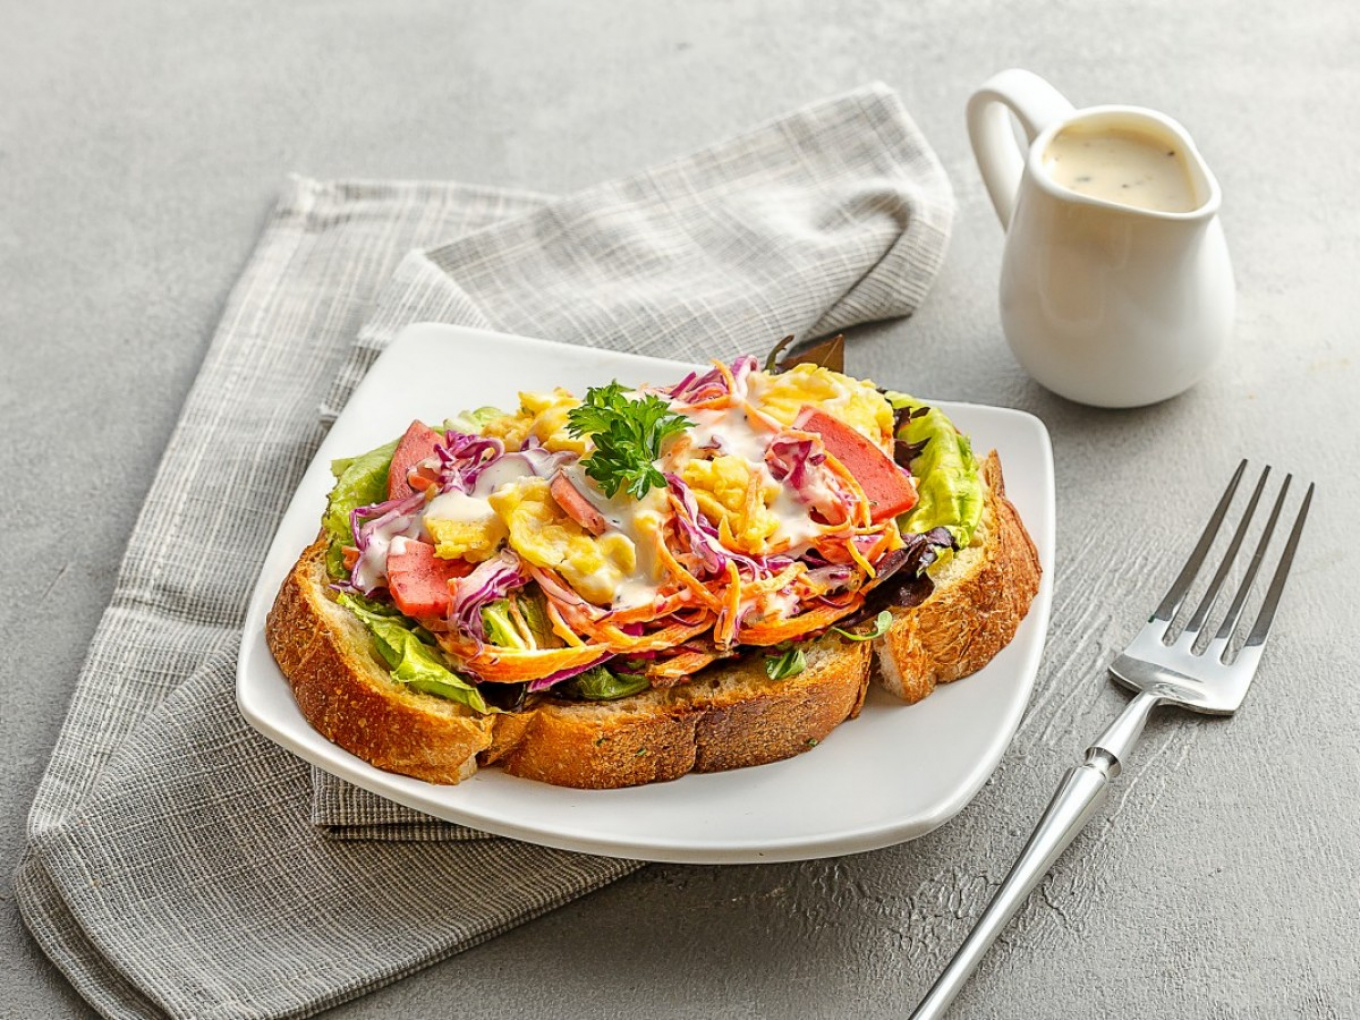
[[727, 716], [981, 594], [345, 690]]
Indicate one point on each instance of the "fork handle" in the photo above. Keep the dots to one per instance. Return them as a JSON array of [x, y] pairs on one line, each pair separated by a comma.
[[1083, 789]]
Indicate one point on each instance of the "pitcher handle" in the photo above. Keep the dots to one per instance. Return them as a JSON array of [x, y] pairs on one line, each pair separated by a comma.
[[1035, 103]]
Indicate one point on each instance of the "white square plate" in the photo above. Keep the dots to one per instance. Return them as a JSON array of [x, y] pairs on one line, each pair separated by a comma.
[[893, 774]]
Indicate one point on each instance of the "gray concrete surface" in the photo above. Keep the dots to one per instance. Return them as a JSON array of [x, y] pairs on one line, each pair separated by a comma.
[[140, 146]]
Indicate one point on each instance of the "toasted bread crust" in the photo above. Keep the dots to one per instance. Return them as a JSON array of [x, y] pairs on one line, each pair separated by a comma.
[[346, 693], [974, 614], [730, 716]]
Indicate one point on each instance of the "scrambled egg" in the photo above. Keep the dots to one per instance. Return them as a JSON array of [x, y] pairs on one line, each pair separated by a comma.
[[856, 402], [723, 489], [470, 540], [542, 534], [542, 415]]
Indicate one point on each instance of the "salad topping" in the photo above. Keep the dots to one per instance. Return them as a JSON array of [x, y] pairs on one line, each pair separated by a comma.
[[632, 537]]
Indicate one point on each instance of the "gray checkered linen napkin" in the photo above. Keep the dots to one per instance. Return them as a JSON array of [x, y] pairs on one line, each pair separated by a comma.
[[174, 866]]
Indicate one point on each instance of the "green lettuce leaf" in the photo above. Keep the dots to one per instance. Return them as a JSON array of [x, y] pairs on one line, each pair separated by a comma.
[[603, 684], [532, 630], [533, 606], [787, 663], [472, 422], [500, 627], [947, 481], [410, 660], [359, 481]]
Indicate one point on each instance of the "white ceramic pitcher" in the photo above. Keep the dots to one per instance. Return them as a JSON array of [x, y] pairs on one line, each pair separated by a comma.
[[1101, 302]]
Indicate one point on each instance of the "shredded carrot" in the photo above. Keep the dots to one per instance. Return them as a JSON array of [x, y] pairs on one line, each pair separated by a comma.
[[753, 499], [879, 548], [860, 559], [560, 628], [718, 403], [779, 581], [500, 666], [663, 606], [893, 535], [679, 667], [668, 637], [351, 555], [556, 590], [759, 417], [797, 626], [726, 626], [861, 501], [869, 529], [677, 570], [727, 375]]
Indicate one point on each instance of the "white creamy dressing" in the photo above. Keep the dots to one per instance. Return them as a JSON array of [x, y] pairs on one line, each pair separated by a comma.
[[795, 521], [1130, 168], [458, 506], [625, 515], [728, 431], [474, 508], [510, 468], [371, 570], [732, 434]]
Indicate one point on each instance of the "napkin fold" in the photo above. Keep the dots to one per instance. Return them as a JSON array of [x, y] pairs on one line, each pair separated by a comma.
[[178, 864]]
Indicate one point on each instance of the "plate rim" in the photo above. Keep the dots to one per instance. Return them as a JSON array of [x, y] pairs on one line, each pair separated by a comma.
[[312, 747]]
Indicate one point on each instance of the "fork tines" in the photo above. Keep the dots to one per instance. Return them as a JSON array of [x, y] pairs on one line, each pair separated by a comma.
[[1176, 596]]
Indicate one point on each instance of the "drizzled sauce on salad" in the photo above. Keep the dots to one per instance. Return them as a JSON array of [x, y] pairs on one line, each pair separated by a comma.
[[751, 531]]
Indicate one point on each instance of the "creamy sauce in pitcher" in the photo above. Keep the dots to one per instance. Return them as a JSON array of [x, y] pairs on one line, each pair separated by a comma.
[[1126, 167]]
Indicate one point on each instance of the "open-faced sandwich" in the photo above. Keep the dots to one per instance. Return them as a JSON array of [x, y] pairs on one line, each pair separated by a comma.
[[624, 587]]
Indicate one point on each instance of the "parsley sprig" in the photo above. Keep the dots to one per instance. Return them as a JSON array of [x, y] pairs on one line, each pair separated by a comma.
[[627, 434]]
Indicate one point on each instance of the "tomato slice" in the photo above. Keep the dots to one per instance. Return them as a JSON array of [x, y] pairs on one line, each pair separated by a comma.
[[416, 444], [419, 580], [887, 487]]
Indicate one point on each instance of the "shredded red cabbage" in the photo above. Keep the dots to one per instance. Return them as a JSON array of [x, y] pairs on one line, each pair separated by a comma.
[[701, 535], [695, 388], [540, 460], [363, 520], [384, 521], [743, 367], [792, 457], [491, 580], [462, 457], [704, 543], [563, 593]]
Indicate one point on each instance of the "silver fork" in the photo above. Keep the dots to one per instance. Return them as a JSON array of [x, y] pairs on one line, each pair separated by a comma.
[[1184, 671]]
